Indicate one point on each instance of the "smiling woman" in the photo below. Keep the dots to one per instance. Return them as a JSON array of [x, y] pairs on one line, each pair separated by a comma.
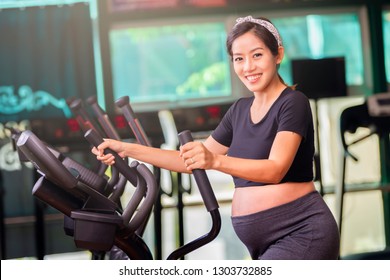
[[266, 143], [270, 141]]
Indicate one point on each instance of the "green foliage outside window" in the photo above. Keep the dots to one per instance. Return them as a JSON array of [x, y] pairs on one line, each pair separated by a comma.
[[170, 62]]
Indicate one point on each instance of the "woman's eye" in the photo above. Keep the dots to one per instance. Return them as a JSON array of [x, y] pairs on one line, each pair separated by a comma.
[[257, 55], [238, 59]]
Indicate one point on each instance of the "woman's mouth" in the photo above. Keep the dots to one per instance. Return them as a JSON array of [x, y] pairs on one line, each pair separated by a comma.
[[253, 78]]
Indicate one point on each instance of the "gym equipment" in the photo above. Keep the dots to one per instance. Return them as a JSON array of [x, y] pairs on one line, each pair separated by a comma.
[[170, 133], [199, 175], [107, 130], [150, 193], [98, 223], [82, 117], [210, 203], [373, 114], [139, 133], [86, 123], [124, 104], [117, 182], [103, 119]]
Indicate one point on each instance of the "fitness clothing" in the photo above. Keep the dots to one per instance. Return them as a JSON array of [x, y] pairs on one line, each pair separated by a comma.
[[303, 229], [245, 139]]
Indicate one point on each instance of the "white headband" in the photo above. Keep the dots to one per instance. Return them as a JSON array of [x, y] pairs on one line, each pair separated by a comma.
[[267, 25]]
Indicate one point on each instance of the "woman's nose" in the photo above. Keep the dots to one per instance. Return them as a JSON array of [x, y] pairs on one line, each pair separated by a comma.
[[248, 65]]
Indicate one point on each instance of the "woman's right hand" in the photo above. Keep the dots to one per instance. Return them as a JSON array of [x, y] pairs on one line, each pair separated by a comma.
[[114, 145]]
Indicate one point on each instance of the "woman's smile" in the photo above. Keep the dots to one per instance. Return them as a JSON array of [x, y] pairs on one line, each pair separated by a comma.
[[253, 78]]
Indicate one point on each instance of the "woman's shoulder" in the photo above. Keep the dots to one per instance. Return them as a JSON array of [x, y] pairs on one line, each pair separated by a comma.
[[293, 95], [245, 99], [291, 92], [241, 103]]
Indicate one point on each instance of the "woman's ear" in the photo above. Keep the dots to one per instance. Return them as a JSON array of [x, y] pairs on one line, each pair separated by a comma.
[[280, 55]]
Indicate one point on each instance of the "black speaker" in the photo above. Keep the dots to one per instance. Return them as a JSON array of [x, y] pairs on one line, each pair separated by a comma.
[[320, 78]]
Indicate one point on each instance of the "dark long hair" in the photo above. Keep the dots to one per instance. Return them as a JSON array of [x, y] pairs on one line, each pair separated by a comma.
[[260, 32]]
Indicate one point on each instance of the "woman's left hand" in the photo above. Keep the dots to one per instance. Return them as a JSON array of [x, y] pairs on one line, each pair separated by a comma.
[[196, 156]]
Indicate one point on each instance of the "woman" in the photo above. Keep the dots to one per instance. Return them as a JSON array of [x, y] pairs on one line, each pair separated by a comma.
[[266, 143]]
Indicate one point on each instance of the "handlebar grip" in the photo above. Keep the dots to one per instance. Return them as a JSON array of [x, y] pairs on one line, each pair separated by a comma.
[[124, 103], [103, 118], [95, 139], [44, 160], [81, 115], [93, 100], [201, 178]]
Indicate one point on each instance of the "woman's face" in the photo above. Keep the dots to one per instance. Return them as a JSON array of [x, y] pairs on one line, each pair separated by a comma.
[[254, 63]]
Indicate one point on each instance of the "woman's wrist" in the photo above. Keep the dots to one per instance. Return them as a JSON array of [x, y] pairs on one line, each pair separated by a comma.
[[216, 163], [126, 149]]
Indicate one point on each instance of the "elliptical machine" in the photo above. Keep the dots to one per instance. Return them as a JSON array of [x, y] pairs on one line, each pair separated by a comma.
[[98, 222]]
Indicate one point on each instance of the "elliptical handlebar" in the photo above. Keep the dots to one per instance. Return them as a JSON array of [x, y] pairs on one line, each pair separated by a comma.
[[124, 103], [95, 139], [81, 115], [103, 119], [118, 183], [44, 160], [65, 181], [147, 179], [201, 178], [82, 118], [142, 178], [211, 204]]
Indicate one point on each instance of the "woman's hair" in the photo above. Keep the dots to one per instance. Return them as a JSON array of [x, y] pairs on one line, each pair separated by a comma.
[[260, 31]]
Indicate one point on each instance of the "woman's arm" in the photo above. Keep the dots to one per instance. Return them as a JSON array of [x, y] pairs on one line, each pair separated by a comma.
[[270, 170], [166, 159]]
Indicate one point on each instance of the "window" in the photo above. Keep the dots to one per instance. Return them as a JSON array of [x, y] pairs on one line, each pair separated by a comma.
[[386, 39], [170, 63], [321, 36]]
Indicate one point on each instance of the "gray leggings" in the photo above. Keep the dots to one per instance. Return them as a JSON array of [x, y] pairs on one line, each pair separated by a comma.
[[303, 229]]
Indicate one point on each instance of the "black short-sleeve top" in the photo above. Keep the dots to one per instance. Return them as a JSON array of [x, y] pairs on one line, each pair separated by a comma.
[[290, 112]]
